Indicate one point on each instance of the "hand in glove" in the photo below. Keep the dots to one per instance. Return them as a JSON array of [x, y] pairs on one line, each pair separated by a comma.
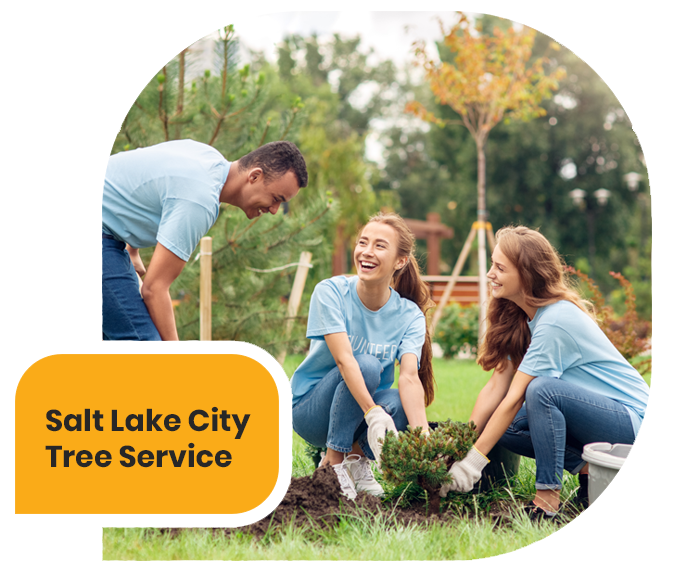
[[465, 473], [378, 423]]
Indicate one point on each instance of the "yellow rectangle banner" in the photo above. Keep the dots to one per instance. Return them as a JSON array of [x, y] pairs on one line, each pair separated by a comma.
[[146, 434]]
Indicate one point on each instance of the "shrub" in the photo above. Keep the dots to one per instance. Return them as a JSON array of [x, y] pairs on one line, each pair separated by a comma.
[[630, 335], [458, 328], [412, 457]]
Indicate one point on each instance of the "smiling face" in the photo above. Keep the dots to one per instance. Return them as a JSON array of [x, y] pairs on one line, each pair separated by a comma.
[[375, 253], [260, 197], [505, 278]]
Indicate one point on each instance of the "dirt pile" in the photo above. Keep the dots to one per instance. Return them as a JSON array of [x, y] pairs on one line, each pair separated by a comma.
[[310, 501]]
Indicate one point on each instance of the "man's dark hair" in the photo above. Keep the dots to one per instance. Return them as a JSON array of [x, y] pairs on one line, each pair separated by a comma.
[[275, 159]]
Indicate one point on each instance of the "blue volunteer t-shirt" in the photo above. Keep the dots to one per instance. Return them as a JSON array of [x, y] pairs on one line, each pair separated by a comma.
[[166, 193], [387, 334], [569, 345]]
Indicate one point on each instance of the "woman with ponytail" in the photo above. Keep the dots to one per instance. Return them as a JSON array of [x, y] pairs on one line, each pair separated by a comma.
[[558, 382], [359, 326]]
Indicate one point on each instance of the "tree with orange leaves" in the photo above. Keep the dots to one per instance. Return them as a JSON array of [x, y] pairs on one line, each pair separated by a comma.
[[490, 79]]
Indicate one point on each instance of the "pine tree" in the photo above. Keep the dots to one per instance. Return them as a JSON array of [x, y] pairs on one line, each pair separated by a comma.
[[253, 267], [229, 107], [426, 459]]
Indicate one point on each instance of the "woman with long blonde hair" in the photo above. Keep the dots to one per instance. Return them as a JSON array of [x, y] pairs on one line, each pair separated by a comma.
[[558, 383], [359, 327]]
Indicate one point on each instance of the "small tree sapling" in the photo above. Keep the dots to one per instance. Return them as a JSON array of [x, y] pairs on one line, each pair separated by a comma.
[[426, 459]]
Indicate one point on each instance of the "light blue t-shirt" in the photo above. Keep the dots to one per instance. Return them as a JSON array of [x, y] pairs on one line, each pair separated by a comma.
[[387, 334], [166, 193], [569, 345]]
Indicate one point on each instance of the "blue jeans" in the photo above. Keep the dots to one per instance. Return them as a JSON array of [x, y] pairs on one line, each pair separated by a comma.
[[557, 420], [329, 416], [125, 315]]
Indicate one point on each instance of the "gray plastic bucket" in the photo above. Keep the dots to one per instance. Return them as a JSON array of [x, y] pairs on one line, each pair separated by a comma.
[[619, 487]]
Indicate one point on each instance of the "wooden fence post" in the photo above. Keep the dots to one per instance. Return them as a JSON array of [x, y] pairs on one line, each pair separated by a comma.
[[206, 289], [295, 297]]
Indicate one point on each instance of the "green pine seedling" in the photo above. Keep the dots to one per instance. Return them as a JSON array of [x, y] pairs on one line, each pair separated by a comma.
[[426, 459]]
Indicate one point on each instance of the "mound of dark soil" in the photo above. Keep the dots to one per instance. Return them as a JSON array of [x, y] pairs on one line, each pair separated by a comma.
[[310, 501]]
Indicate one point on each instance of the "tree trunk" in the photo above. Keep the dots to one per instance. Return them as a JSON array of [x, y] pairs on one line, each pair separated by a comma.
[[433, 498], [339, 254], [591, 240], [180, 92], [481, 233], [434, 502]]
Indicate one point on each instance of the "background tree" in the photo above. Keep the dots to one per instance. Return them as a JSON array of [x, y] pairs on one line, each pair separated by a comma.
[[608, 159], [226, 107], [343, 92], [585, 141], [253, 267], [236, 109], [491, 78], [430, 169]]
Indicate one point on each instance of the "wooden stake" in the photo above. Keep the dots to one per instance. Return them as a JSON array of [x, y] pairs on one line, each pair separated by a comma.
[[482, 278], [456, 272], [490, 236], [295, 297], [206, 289]]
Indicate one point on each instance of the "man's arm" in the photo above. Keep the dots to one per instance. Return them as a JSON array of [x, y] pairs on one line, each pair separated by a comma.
[[163, 269]]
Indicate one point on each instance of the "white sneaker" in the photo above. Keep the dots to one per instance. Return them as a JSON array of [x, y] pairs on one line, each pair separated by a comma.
[[360, 469], [345, 480]]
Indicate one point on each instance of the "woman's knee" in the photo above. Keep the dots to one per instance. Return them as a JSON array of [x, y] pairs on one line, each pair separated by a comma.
[[371, 369], [538, 388]]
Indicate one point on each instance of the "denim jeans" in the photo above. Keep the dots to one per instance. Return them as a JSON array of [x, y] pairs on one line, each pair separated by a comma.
[[557, 420], [329, 416], [125, 315]]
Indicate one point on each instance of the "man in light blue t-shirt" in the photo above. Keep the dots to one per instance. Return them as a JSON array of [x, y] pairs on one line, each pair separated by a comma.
[[168, 195]]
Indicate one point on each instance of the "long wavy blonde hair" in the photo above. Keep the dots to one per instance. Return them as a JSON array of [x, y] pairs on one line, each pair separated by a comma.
[[544, 282]]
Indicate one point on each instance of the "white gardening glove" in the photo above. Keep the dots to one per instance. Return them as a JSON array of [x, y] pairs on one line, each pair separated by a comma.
[[465, 473], [378, 423]]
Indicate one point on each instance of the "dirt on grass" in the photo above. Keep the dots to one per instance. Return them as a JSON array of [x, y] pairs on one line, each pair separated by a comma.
[[316, 501]]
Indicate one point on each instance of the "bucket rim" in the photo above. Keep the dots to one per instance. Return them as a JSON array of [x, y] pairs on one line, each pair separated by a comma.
[[600, 453]]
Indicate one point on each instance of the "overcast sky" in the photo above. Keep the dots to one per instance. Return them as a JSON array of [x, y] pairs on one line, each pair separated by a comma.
[[391, 34]]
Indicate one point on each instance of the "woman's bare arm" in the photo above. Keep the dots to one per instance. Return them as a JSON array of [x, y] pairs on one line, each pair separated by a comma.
[[340, 348]]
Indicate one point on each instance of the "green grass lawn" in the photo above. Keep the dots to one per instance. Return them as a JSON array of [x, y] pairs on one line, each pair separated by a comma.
[[458, 383]]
